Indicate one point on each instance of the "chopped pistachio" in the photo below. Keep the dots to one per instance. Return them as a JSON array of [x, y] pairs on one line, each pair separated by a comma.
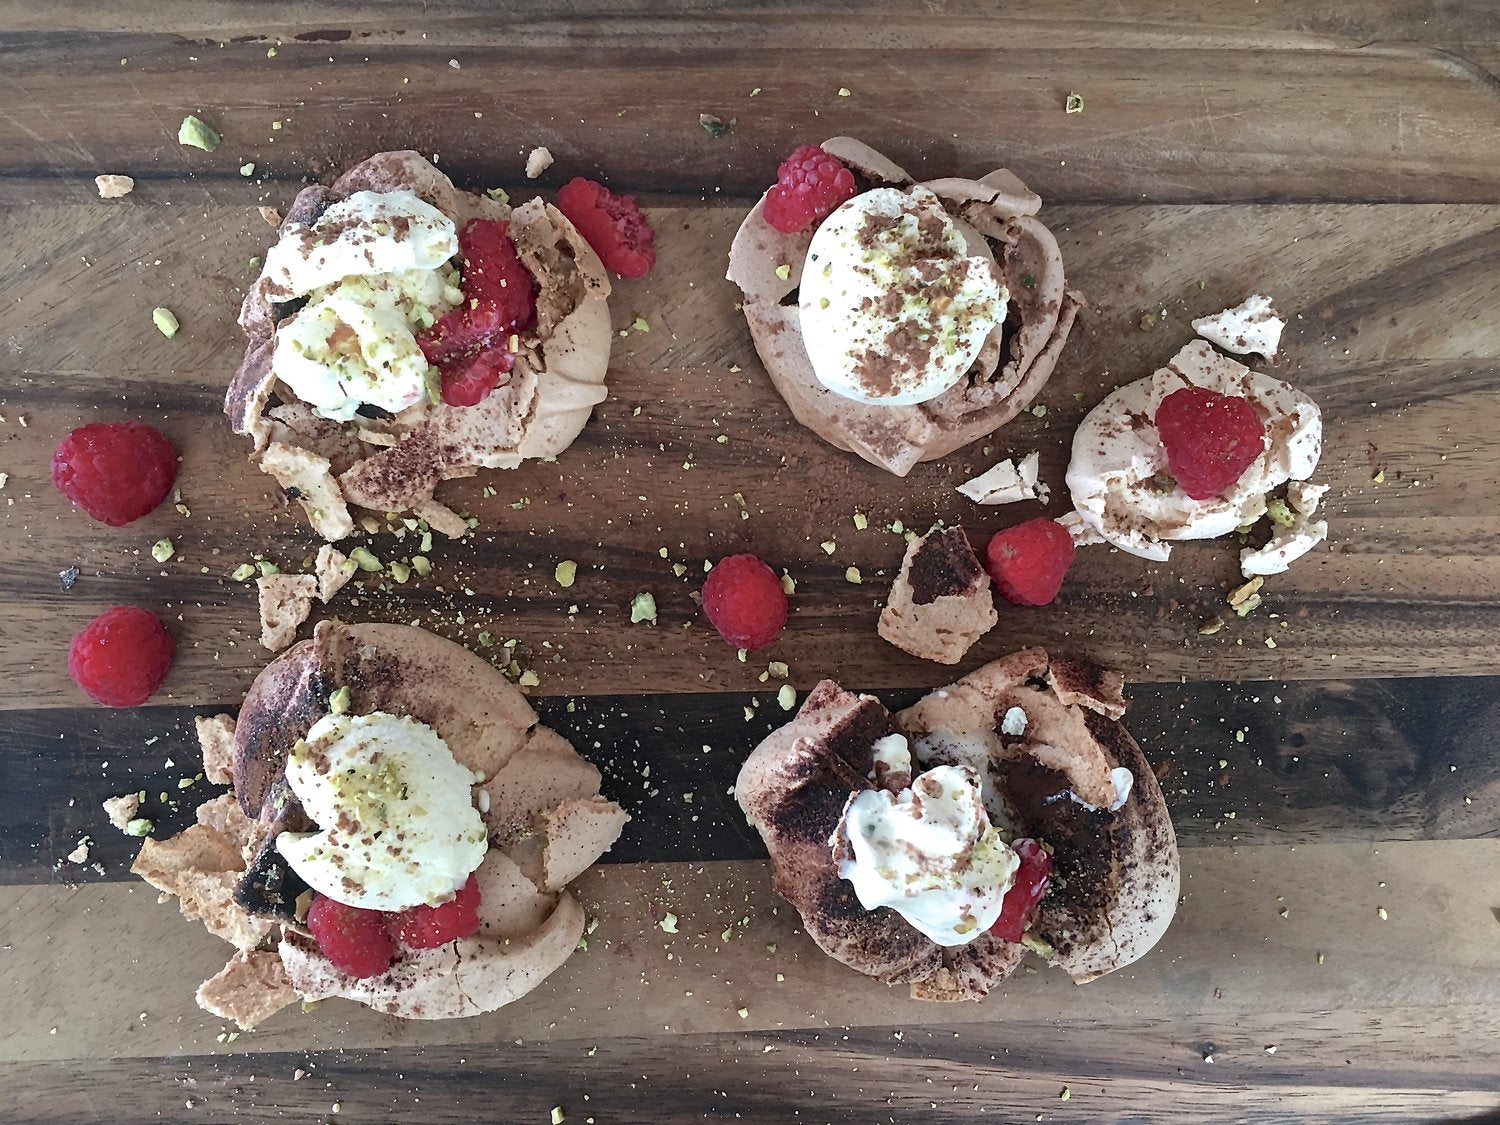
[[678, 569], [161, 550], [165, 322], [1066, 1094], [1209, 628], [557, 1115], [422, 565], [499, 195], [1041, 948], [529, 678], [789, 584], [851, 574], [715, 126], [565, 573], [778, 669], [1279, 514], [861, 521], [784, 271], [486, 639], [829, 546], [1248, 606], [843, 91], [1147, 321], [243, 572], [787, 697], [194, 133], [247, 169], [364, 560], [1270, 642], [1379, 478], [643, 608], [1039, 410], [400, 571], [339, 702], [140, 826], [1240, 593], [370, 524], [1028, 281], [266, 567], [1073, 104], [639, 324], [669, 923]]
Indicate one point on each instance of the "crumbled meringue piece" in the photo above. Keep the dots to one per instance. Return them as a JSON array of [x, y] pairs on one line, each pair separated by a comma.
[[1251, 326], [1008, 483]]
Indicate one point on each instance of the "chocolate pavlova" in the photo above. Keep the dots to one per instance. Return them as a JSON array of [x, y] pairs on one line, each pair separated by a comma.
[[401, 832], [403, 332], [900, 320]]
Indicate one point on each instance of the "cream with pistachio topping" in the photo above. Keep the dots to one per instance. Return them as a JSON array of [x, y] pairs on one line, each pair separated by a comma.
[[395, 812], [376, 271], [894, 308], [928, 852]]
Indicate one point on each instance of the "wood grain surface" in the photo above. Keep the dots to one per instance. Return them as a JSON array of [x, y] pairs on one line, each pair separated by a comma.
[[1335, 794]]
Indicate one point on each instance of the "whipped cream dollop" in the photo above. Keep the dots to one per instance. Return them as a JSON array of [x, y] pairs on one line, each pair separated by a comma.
[[1123, 781], [894, 308], [1118, 474], [395, 812], [376, 271], [928, 852]]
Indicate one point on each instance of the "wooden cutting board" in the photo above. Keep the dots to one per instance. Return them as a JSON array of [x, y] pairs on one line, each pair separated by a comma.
[[1330, 759]]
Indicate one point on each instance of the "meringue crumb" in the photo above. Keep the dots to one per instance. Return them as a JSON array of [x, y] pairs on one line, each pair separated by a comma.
[[669, 924], [787, 697], [538, 162], [113, 186]]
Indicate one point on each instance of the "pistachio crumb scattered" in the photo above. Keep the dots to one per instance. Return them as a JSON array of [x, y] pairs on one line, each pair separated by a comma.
[[565, 573], [643, 608], [851, 574], [830, 546], [861, 521], [339, 702], [364, 559], [1073, 103], [243, 572], [787, 697], [1209, 628], [162, 550], [529, 678], [784, 271], [1279, 514], [139, 826], [669, 924], [557, 1115], [166, 323], [194, 133]]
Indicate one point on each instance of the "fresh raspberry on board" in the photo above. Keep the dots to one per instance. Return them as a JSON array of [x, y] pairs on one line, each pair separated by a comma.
[[120, 657], [115, 471], [470, 346], [612, 224], [427, 927], [744, 601], [354, 940], [1210, 439], [1032, 879], [1027, 562], [809, 185]]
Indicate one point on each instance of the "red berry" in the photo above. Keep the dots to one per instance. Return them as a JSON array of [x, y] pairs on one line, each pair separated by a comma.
[[355, 940], [612, 224], [1027, 562], [471, 344], [1032, 879], [744, 601], [120, 657], [468, 379], [427, 927], [1210, 439], [115, 471], [809, 185]]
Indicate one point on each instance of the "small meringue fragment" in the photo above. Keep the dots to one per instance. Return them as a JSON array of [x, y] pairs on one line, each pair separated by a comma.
[[1250, 327], [1008, 483]]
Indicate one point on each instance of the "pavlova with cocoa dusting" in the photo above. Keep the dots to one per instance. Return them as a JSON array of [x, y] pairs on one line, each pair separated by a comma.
[[401, 832], [403, 332], [900, 320]]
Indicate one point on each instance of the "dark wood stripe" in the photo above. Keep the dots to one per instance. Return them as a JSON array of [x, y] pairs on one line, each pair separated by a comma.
[[1334, 761], [1335, 1066]]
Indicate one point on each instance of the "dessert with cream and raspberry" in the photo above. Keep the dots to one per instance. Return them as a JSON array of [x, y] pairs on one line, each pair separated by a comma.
[[1196, 451], [409, 332], [401, 832], [900, 320], [1010, 810]]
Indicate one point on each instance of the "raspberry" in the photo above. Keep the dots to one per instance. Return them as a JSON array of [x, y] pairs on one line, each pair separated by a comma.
[[1032, 879], [1027, 562], [114, 471], [612, 224], [468, 379], [120, 657], [744, 601], [1210, 439], [354, 940], [427, 927], [470, 345], [809, 185]]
